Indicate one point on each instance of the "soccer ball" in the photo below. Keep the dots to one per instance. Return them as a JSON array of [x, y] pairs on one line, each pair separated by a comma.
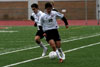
[[52, 55]]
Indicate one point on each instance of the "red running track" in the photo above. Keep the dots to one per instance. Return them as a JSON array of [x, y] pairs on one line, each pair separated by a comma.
[[31, 23]]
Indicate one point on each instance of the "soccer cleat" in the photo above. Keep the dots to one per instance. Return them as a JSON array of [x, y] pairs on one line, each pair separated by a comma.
[[44, 52], [63, 56], [60, 60]]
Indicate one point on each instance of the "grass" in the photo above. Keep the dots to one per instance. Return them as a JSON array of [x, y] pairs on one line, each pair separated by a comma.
[[24, 38]]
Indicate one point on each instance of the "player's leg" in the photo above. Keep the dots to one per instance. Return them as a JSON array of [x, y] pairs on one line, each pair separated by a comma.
[[53, 45], [50, 35], [58, 45], [38, 41]]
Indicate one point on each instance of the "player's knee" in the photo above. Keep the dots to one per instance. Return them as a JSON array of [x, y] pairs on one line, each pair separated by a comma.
[[52, 45], [37, 38]]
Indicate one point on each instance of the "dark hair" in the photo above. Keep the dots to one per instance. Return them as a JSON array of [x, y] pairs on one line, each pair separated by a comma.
[[48, 5], [34, 5]]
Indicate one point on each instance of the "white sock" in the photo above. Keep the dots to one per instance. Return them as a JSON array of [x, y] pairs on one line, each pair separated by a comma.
[[42, 45], [58, 55], [60, 50]]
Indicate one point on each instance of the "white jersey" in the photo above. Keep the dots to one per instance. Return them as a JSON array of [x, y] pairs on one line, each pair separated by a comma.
[[37, 17], [48, 21]]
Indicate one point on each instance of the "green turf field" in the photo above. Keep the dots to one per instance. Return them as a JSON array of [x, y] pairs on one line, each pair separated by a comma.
[[81, 45]]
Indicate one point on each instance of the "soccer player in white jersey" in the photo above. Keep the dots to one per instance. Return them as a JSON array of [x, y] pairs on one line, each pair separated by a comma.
[[39, 35], [50, 26]]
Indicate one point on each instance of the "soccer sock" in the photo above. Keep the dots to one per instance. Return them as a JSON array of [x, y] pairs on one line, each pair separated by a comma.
[[42, 45], [58, 55], [44, 48], [60, 50]]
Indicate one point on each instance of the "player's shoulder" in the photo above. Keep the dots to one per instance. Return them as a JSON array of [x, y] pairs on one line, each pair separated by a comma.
[[33, 14], [40, 12], [43, 14]]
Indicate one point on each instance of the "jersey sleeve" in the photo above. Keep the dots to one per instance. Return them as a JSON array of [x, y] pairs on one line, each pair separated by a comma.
[[62, 17], [58, 14], [32, 17]]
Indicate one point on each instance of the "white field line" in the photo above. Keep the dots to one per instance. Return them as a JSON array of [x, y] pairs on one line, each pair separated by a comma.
[[7, 31], [47, 44], [74, 49], [81, 38]]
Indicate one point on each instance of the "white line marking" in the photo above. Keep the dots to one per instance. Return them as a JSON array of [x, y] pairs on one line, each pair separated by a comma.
[[74, 49], [47, 44], [8, 31], [18, 50], [82, 38]]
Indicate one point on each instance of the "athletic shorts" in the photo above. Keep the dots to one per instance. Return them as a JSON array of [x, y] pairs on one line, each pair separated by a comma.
[[40, 33], [52, 34]]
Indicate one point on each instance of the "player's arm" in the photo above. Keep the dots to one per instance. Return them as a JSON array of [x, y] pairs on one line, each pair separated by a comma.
[[32, 18], [65, 21], [62, 18], [40, 28]]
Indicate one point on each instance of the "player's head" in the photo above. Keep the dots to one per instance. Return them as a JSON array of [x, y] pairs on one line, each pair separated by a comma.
[[48, 7], [35, 7]]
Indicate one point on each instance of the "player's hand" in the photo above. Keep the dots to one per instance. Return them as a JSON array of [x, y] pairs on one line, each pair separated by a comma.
[[66, 26], [35, 25], [44, 34]]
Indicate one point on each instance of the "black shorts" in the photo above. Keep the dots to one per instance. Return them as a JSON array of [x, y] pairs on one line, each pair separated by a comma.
[[40, 33], [52, 34]]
